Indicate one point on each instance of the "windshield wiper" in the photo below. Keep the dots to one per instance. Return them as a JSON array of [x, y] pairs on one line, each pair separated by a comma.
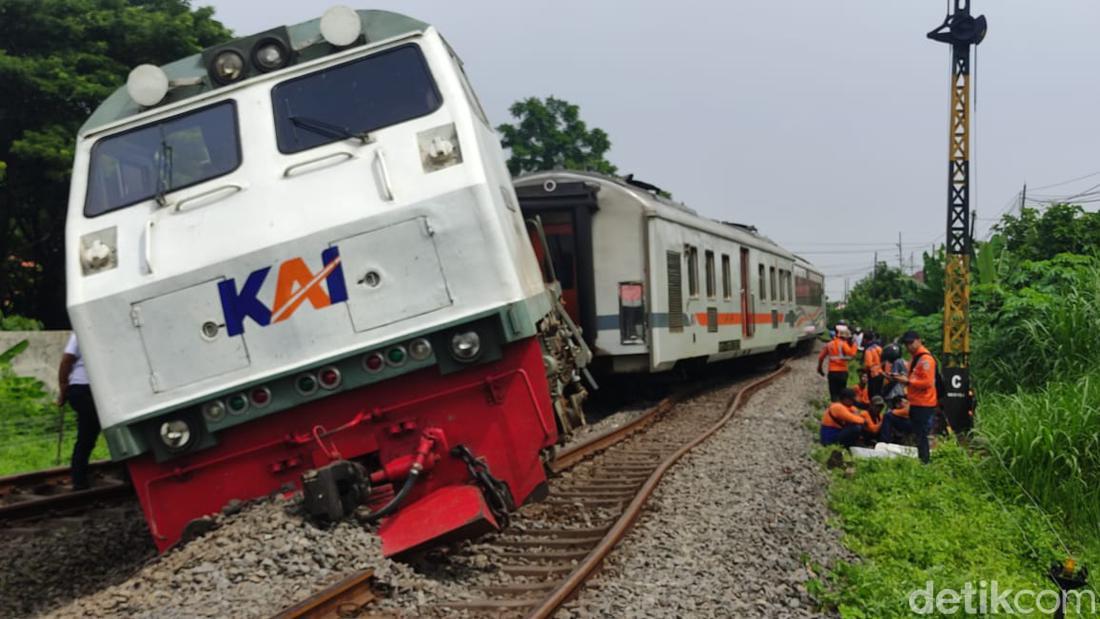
[[164, 172], [327, 129]]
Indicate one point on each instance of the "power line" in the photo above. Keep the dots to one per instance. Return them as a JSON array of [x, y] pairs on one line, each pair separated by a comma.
[[1072, 180]]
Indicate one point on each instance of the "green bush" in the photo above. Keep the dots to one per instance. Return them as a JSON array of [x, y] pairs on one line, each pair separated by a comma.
[[1041, 324], [19, 323]]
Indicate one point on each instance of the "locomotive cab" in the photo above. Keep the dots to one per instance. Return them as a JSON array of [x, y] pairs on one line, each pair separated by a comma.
[[300, 248]]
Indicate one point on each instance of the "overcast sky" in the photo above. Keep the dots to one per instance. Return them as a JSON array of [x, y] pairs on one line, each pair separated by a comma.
[[821, 122]]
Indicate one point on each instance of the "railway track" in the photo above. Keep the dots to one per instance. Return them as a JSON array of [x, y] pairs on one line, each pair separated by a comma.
[[35, 495], [546, 556]]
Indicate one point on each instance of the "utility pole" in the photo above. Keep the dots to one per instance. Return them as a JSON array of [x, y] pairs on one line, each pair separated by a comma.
[[845, 289], [1023, 198], [960, 30], [874, 269], [901, 263]]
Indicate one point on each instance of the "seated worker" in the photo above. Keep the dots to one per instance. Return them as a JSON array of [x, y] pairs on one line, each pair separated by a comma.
[[895, 423], [863, 396], [872, 419], [841, 424]]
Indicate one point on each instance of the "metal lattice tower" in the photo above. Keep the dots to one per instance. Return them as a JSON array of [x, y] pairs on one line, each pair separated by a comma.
[[961, 31]]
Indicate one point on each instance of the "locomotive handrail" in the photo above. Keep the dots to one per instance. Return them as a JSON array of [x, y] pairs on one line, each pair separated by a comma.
[[149, 245], [296, 168], [233, 187], [387, 190]]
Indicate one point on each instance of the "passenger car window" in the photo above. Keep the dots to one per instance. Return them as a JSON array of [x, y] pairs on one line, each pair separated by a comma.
[[171, 154], [351, 99]]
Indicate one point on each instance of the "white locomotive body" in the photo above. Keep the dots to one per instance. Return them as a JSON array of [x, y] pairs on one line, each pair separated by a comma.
[[654, 285], [284, 242]]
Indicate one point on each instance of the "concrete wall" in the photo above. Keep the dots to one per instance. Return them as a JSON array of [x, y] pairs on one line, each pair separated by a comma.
[[42, 356]]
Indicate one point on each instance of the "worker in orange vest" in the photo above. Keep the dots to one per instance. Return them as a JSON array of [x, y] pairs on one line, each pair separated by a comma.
[[839, 351], [863, 396], [920, 390], [872, 419], [872, 362], [841, 424], [896, 421]]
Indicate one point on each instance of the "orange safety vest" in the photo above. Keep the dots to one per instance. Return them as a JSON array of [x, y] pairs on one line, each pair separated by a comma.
[[837, 416], [838, 353], [869, 422], [872, 360], [861, 395], [922, 379]]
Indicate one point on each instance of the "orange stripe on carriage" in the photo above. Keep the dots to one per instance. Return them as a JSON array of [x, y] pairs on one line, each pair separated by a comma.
[[733, 318]]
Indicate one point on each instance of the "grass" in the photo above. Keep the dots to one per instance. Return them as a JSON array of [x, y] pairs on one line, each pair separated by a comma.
[[29, 423], [21, 457], [1050, 442], [911, 524]]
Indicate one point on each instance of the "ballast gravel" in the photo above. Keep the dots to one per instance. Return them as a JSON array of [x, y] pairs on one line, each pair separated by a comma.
[[49, 563], [255, 563], [735, 528]]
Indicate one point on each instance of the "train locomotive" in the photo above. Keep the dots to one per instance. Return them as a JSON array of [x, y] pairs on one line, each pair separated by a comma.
[[656, 287], [296, 261]]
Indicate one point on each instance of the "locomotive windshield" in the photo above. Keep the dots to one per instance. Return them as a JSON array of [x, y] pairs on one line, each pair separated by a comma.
[[354, 98], [154, 159]]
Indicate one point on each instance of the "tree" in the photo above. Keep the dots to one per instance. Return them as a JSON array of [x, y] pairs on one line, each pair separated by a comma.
[[1041, 235], [550, 135], [60, 59]]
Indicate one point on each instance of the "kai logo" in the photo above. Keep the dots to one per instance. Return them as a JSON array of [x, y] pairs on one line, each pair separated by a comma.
[[295, 285]]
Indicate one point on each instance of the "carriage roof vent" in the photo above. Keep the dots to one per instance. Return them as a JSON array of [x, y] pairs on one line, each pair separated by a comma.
[[745, 227], [630, 180]]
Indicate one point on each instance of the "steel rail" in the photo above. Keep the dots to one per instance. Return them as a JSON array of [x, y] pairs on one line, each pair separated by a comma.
[[327, 603], [570, 456], [27, 495], [622, 525], [346, 598]]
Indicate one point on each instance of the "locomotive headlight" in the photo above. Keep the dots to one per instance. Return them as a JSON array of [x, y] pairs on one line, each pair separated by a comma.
[[213, 411], [98, 251], [228, 66], [439, 148], [175, 434], [465, 346], [270, 55], [420, 349], [341, 26], [147, 84]]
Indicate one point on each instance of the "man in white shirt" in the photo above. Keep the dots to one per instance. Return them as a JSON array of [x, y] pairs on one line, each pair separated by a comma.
[[72, 381]]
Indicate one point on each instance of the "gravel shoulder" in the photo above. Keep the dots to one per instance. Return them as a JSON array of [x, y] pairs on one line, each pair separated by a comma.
[[734, 526], [68, 557]]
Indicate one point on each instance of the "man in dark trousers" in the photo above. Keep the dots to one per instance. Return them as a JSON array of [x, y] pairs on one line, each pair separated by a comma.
[[72, 381], [839, 351], [920, 390]]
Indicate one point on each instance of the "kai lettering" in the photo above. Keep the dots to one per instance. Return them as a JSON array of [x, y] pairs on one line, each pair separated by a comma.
[[295, 284]]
